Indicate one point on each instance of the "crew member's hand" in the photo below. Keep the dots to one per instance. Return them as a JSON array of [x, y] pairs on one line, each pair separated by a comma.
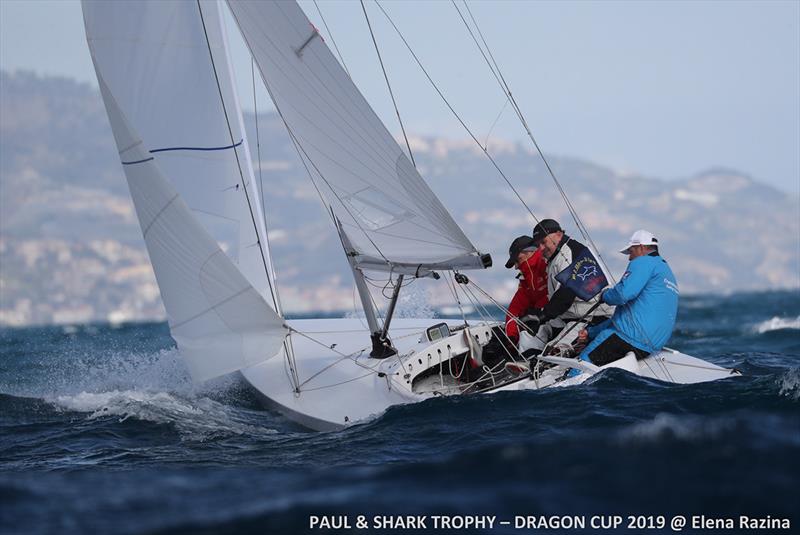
[[583, 336]]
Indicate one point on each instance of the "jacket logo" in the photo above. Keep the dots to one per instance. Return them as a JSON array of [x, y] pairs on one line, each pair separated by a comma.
[[588, 271], [584, 276], [671, 285]]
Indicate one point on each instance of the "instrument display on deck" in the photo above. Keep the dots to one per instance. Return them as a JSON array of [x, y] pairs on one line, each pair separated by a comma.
[[437, 332]]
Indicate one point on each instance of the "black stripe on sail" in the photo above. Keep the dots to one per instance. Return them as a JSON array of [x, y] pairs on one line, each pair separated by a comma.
[[197, 148], [138, 161], [170, 149]]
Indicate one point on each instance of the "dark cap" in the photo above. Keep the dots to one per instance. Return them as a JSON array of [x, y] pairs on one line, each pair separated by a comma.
[[517, 246], [543, 228]]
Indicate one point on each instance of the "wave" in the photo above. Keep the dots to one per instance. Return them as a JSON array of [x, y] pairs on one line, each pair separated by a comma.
[[198, 418], [665, 426], [134, 374], [71, 371], [776, 324]]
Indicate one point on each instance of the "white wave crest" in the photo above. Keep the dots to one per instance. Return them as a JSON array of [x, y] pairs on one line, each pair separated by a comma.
[[775, 324], [106, 371], [198, 418], [670, 426], [790, 384]]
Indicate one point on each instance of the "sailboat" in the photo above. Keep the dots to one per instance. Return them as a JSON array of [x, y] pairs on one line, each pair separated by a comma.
[[166, 79]]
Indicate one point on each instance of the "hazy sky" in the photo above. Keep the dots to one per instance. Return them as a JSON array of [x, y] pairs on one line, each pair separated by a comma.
[[665, 89]]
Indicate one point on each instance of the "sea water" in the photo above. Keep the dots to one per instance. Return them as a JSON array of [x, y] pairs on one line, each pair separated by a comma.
[[102, 431]]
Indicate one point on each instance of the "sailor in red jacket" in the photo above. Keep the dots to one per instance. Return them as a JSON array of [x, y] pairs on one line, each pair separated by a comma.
[[532, 290]]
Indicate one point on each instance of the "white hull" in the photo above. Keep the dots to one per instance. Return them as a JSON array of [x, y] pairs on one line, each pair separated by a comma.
[[337, 391]]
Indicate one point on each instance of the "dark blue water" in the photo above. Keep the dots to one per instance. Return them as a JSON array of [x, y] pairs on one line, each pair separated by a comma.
[[102, 431]]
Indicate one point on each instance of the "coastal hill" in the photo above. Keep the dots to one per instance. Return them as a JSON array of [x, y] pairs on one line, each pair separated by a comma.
[[71, 248]]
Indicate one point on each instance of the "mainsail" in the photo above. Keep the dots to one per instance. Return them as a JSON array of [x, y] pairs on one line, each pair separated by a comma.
[[391, 218], [166, 83]]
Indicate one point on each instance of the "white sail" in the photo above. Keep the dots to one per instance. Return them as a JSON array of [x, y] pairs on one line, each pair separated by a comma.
[[174, 142], [156, 59], [391, 217]]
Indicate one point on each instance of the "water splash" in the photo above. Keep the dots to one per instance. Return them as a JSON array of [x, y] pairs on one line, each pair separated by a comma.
[[86, 371], [789, 384], [413, 303], [124, 375], [776, 324], [198, 418], [671, 427]]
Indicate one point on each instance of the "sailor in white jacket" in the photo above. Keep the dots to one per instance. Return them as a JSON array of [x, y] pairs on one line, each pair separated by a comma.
[[564, 308]]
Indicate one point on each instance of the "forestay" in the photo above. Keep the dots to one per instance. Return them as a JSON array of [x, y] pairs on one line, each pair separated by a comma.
[[390, 216], [156, 77]]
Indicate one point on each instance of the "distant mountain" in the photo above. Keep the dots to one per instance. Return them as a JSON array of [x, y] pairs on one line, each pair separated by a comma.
[[71, 249]]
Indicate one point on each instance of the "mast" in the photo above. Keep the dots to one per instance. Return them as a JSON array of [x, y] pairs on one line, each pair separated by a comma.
[[392, 304], [381, 345]]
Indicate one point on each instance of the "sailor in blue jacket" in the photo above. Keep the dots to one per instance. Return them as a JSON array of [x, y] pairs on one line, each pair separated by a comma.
[[646, 302]]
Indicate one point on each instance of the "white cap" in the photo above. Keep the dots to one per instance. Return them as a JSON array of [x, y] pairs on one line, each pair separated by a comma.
[[640, 237]]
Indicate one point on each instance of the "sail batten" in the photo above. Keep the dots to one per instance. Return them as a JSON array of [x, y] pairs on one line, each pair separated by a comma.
[[363, 175]]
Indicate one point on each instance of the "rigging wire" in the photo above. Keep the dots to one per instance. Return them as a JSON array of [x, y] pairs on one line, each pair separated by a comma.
[[341, 59], [461, 121], [491, 128], [495, 68], [287, 345], [520, 323], [306, 159], [502, 330], [388, 85], [457, 116], [330, 187], [452, 287], [498, 76], [277, 296], [556, 339], [258, 140], [487, 318], [351, 356], [235, 152]]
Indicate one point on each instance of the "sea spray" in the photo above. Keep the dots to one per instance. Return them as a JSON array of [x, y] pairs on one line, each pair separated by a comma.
[[789, 383], [664, 427], [414, 303], [776, 324], [197, 418]]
